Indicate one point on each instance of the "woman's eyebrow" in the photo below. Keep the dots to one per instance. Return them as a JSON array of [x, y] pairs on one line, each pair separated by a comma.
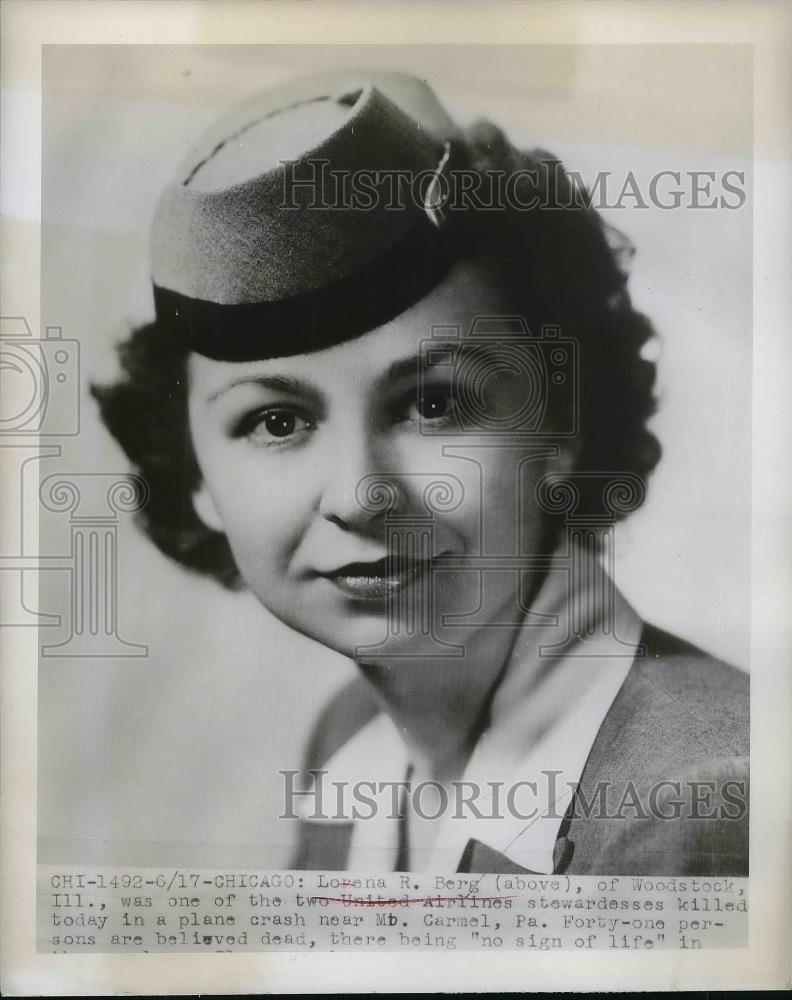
[[276, 383], [426, 359]]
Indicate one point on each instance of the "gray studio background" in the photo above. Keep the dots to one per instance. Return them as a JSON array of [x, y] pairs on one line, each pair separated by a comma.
[[173, 758]]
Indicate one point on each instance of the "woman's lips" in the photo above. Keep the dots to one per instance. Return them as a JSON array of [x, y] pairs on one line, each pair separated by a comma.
[[377, 580]]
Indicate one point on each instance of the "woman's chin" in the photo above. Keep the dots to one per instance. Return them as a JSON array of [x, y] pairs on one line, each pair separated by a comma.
[[359, 630], [361, 635]]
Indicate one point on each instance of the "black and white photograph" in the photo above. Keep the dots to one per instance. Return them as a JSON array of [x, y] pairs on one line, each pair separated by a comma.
[[384, 452], [417, 495]]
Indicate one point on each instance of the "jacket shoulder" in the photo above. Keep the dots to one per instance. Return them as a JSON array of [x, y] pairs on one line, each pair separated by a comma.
[[682, 695], [678, 711], [672, 760]]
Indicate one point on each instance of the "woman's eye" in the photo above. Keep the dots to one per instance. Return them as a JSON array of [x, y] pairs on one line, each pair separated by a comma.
[[275, 425], [434, 404]]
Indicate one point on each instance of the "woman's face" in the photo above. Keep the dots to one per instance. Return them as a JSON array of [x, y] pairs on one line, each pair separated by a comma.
[[288, 447]]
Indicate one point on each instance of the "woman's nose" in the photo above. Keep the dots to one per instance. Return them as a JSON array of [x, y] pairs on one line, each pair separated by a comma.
[[359, 485]]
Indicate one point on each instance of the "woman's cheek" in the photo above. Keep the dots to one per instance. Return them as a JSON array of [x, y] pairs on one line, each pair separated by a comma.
[[258, 515], [266, 512]]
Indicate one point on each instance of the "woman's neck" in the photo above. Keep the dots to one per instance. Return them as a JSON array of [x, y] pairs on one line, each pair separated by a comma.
[[440, 705]]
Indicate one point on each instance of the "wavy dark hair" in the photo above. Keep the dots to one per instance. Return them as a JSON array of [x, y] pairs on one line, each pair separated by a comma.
[[560, 265]]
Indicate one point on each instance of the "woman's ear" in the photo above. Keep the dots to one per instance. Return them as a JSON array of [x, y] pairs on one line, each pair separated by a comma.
[[205, 508]]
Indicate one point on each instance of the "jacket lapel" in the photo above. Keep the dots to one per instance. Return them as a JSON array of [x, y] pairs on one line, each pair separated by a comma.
[[478, 857]]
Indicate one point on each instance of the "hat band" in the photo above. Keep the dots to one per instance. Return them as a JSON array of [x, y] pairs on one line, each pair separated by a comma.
[[313, 320]]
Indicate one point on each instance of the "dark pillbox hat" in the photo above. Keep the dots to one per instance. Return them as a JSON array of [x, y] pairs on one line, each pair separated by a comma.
[[258, 251]]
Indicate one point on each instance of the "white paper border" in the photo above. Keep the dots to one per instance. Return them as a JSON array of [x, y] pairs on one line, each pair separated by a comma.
[[26, 26]]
